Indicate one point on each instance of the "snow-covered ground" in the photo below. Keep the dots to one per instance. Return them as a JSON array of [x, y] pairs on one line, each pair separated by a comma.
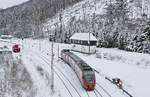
[[135, 79], [131, 58], [36, 55], [15, 80]]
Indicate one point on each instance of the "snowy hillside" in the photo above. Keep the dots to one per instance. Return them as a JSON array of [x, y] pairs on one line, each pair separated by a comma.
[[140, 7], [88, 6], [131, 58]]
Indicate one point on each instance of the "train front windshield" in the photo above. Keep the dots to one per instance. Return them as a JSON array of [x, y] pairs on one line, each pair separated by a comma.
[[89, 76]]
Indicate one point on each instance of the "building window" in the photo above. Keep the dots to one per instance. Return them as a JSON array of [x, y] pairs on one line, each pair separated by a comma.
[[75, 41], [79, 41]]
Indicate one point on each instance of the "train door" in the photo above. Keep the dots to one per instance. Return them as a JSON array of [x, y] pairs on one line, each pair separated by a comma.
[[67, 58]]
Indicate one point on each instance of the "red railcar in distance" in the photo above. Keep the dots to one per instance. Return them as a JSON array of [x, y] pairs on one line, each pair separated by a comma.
[[16, 48]]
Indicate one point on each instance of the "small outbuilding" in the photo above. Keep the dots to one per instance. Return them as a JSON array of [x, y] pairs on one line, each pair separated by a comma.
[[83, 42]]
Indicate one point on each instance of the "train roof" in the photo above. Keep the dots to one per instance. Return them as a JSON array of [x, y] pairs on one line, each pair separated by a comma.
[[82, 64]]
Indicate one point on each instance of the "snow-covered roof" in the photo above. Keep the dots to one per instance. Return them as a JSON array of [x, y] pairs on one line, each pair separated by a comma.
[[6, 36], [83, 36]]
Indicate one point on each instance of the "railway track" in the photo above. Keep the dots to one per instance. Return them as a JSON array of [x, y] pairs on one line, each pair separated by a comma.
[[107, 78], [96, 92], [63, 83], [100, 95], [77, 79], [68, 80], [107, 93], [60, 74]]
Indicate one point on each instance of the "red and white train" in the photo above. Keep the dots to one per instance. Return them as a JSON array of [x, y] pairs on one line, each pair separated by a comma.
[[84, 72]]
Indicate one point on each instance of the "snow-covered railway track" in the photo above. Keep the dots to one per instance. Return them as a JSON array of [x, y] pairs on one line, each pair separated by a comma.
[[100, 95], [87, 93], [107, 93], [94, 93], [61, 76], [68, 80], [63, 83], [79, 81]]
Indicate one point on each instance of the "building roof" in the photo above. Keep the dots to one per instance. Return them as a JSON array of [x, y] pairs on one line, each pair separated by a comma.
[[83, 36], [6, 36]]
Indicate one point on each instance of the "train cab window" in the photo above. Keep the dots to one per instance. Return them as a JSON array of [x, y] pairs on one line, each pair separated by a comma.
[[89, 76]]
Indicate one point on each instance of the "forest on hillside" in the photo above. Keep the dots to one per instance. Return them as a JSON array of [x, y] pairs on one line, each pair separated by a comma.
[[24, 20], [117, 27]]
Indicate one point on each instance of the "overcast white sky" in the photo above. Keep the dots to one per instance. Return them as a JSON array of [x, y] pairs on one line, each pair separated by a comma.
[[8, 3]]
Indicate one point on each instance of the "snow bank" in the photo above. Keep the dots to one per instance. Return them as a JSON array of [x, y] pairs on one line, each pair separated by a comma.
[[131, 58], [15, 80]]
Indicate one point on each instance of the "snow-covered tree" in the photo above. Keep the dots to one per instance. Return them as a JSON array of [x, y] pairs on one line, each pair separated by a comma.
[[147, 30], [116, 18]]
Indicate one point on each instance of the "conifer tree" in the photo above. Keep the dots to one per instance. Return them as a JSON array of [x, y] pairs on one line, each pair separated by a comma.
[[147, 31]]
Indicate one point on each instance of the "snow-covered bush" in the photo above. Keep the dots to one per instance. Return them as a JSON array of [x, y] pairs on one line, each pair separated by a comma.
[[131, 58], [140, 43]]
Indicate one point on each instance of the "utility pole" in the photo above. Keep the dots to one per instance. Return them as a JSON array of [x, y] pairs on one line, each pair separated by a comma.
[[93, 19], [142, 8], [83, 6], [89, 42], [52, 67], [39, 45], [60, 20], [58, 52], [110, 1]]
